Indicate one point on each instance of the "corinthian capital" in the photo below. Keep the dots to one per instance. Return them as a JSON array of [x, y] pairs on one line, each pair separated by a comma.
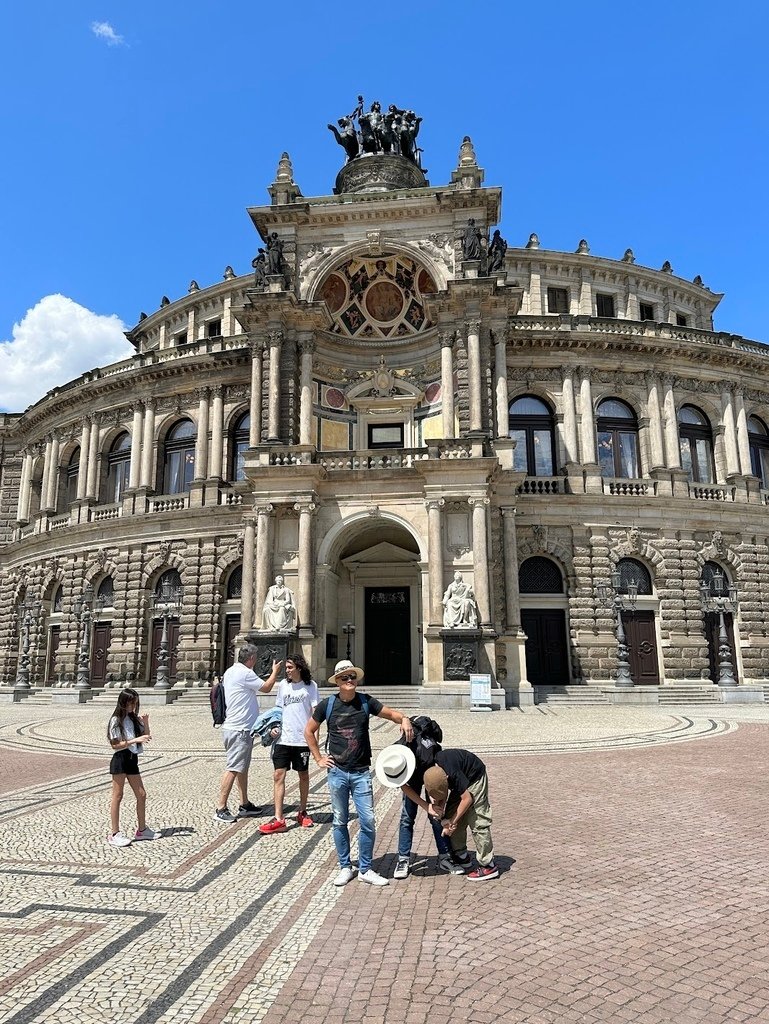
[[446, 339], [306, 346], [275, 338], [473, 325]]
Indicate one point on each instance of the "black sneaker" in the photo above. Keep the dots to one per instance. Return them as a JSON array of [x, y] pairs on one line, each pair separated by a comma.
[[223, 815], [445, 863], [464, 859], [249, 810]]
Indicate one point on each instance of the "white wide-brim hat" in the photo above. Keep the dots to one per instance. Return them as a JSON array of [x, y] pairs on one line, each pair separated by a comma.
[[395, 766], [345, 666]]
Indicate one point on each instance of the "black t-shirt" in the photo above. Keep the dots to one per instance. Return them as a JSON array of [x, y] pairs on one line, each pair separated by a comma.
[[462, 768], [348, 738]]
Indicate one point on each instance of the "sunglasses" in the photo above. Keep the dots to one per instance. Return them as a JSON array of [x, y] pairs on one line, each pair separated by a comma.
[[348, 679]]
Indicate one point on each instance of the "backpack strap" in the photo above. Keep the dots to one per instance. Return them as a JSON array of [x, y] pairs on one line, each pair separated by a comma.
[[330, 708]]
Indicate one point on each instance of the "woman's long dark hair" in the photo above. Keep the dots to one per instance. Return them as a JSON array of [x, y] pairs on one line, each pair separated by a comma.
[[121, 712], [304, 669]]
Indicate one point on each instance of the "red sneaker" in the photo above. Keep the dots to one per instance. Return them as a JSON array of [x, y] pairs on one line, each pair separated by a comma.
[[276, 825], [304, 819], [481, 874]]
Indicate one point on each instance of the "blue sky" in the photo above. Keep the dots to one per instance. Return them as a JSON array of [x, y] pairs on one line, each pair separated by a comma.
[[135, 134]]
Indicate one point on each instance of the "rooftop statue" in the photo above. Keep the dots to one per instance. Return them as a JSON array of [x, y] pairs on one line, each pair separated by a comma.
[[497, 250], [392, 132]]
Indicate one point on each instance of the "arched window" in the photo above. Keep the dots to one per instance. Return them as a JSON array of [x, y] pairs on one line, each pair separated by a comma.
[[57, 600], [716, 580], [179, 458], [106, 593], [73, 474], [240, 443], [631, 571], [539, 575], [696, 441], [617, 439], [758, 438], [530, 423], [118, 467], [169, 586], [235, 584]]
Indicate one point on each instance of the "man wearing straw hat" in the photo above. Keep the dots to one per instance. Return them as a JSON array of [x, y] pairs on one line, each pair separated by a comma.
[[348, 760]]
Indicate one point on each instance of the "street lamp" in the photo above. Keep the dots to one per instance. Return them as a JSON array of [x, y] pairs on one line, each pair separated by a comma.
[[349, 631], [167, 605], [610, 595], [84, 609], [718, 598], [27, 613]]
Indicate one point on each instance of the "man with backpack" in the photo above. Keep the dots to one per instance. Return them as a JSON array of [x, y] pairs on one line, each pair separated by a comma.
[[348, 760]]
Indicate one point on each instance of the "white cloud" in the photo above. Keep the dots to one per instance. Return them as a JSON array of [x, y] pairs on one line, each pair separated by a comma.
[[56, 341], [103, 30]]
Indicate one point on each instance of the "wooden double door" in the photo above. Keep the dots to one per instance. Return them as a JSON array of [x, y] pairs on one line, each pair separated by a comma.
[[641, 639], [388, 636], [547, 652]]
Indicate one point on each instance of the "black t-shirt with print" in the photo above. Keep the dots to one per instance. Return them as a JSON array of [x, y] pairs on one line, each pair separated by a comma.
[[348, 738], [462, 767]]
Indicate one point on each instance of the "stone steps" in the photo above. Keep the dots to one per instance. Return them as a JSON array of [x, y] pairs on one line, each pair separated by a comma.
[[690, 693], [571, 695]]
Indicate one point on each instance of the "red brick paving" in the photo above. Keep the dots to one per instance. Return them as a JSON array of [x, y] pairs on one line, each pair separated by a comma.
[[638, 894], [21, 768]]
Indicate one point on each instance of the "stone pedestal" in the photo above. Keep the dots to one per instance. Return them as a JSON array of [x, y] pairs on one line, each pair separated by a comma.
[[461, 650], [742, 694], [272, 647], [471, 269], [71, 696]]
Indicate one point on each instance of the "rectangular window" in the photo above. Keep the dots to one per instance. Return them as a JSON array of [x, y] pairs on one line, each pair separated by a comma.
[[214, 329], [558, 300], [645, 311], [681, 320], [604, 305], [181, 339], [388, 435]]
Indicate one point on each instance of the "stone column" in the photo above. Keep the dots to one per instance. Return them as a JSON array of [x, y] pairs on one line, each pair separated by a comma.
[[53, 476], [247, 594], [435, 559], [447, 382], [306, 348], [474, 371], [201, 441], [570, 439], [136, 447], [510, 547], [255, 410], [217, 433], [25, 488], [306, 510], [263, 560], [500, 369], [92, 487], [275, 340], [730, 432], [148, 446], [589, 449], [655, 422], [46, 473], [481, 559], [743, 442], [672, 445], [82, 476]]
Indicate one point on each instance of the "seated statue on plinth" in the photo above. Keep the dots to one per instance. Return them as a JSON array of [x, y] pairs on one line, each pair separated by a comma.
[[459, 608], [279, 612]]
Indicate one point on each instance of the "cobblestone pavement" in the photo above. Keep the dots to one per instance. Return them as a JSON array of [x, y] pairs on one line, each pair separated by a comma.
[[632, 842]]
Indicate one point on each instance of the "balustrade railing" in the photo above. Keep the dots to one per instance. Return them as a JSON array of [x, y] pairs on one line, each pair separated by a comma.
[[168, 502], [102, 512], [543, 485], [711, 492], [59, 522], [628, 487]]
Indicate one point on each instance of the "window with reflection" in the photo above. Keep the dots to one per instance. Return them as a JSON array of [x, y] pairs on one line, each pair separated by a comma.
[[758, 439], [617, 432], [531, 425], [73, 474], [235, 584], [696, 441], [631, 571], [106, 593], [118, 467], [179, 458], [240, 444], [57, 601]]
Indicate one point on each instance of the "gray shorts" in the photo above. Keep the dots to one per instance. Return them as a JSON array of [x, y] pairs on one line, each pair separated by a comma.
[[238, 746]]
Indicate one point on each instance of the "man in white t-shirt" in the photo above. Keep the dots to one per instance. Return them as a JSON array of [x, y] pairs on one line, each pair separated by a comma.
[[297, 696], [241, 687]]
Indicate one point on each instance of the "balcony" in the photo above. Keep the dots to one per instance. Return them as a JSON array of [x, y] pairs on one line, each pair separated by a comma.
[[543, 485]]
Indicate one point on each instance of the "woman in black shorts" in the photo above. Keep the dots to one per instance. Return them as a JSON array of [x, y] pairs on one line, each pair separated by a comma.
[[125, 728]]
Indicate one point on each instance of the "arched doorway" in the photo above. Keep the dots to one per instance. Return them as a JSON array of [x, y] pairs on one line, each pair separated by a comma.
[[373, 602], [543, 620], [640, 622]]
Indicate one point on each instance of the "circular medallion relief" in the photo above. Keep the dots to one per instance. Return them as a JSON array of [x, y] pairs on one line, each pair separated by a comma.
[[432, 393], [384, 302], [333, 293], [335, 398]]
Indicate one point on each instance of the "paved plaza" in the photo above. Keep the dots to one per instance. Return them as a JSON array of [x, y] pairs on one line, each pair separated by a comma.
[[633, 846]]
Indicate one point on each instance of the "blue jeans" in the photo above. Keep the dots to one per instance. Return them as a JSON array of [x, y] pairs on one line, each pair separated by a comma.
[[342, 785], [406, 831]]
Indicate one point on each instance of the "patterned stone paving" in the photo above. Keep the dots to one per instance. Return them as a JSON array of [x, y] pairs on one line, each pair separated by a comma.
[[632, 842]]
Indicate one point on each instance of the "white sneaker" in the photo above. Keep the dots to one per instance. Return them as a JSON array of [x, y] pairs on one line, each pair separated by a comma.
[[372, 877], [118, 840], [345, 875], [402, 868], [146, 833]]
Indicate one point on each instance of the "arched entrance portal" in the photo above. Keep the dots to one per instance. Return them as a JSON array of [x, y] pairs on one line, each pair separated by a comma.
[[374, 602]]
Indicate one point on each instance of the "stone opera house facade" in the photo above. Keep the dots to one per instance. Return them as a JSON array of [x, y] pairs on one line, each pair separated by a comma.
[[393, 402]]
